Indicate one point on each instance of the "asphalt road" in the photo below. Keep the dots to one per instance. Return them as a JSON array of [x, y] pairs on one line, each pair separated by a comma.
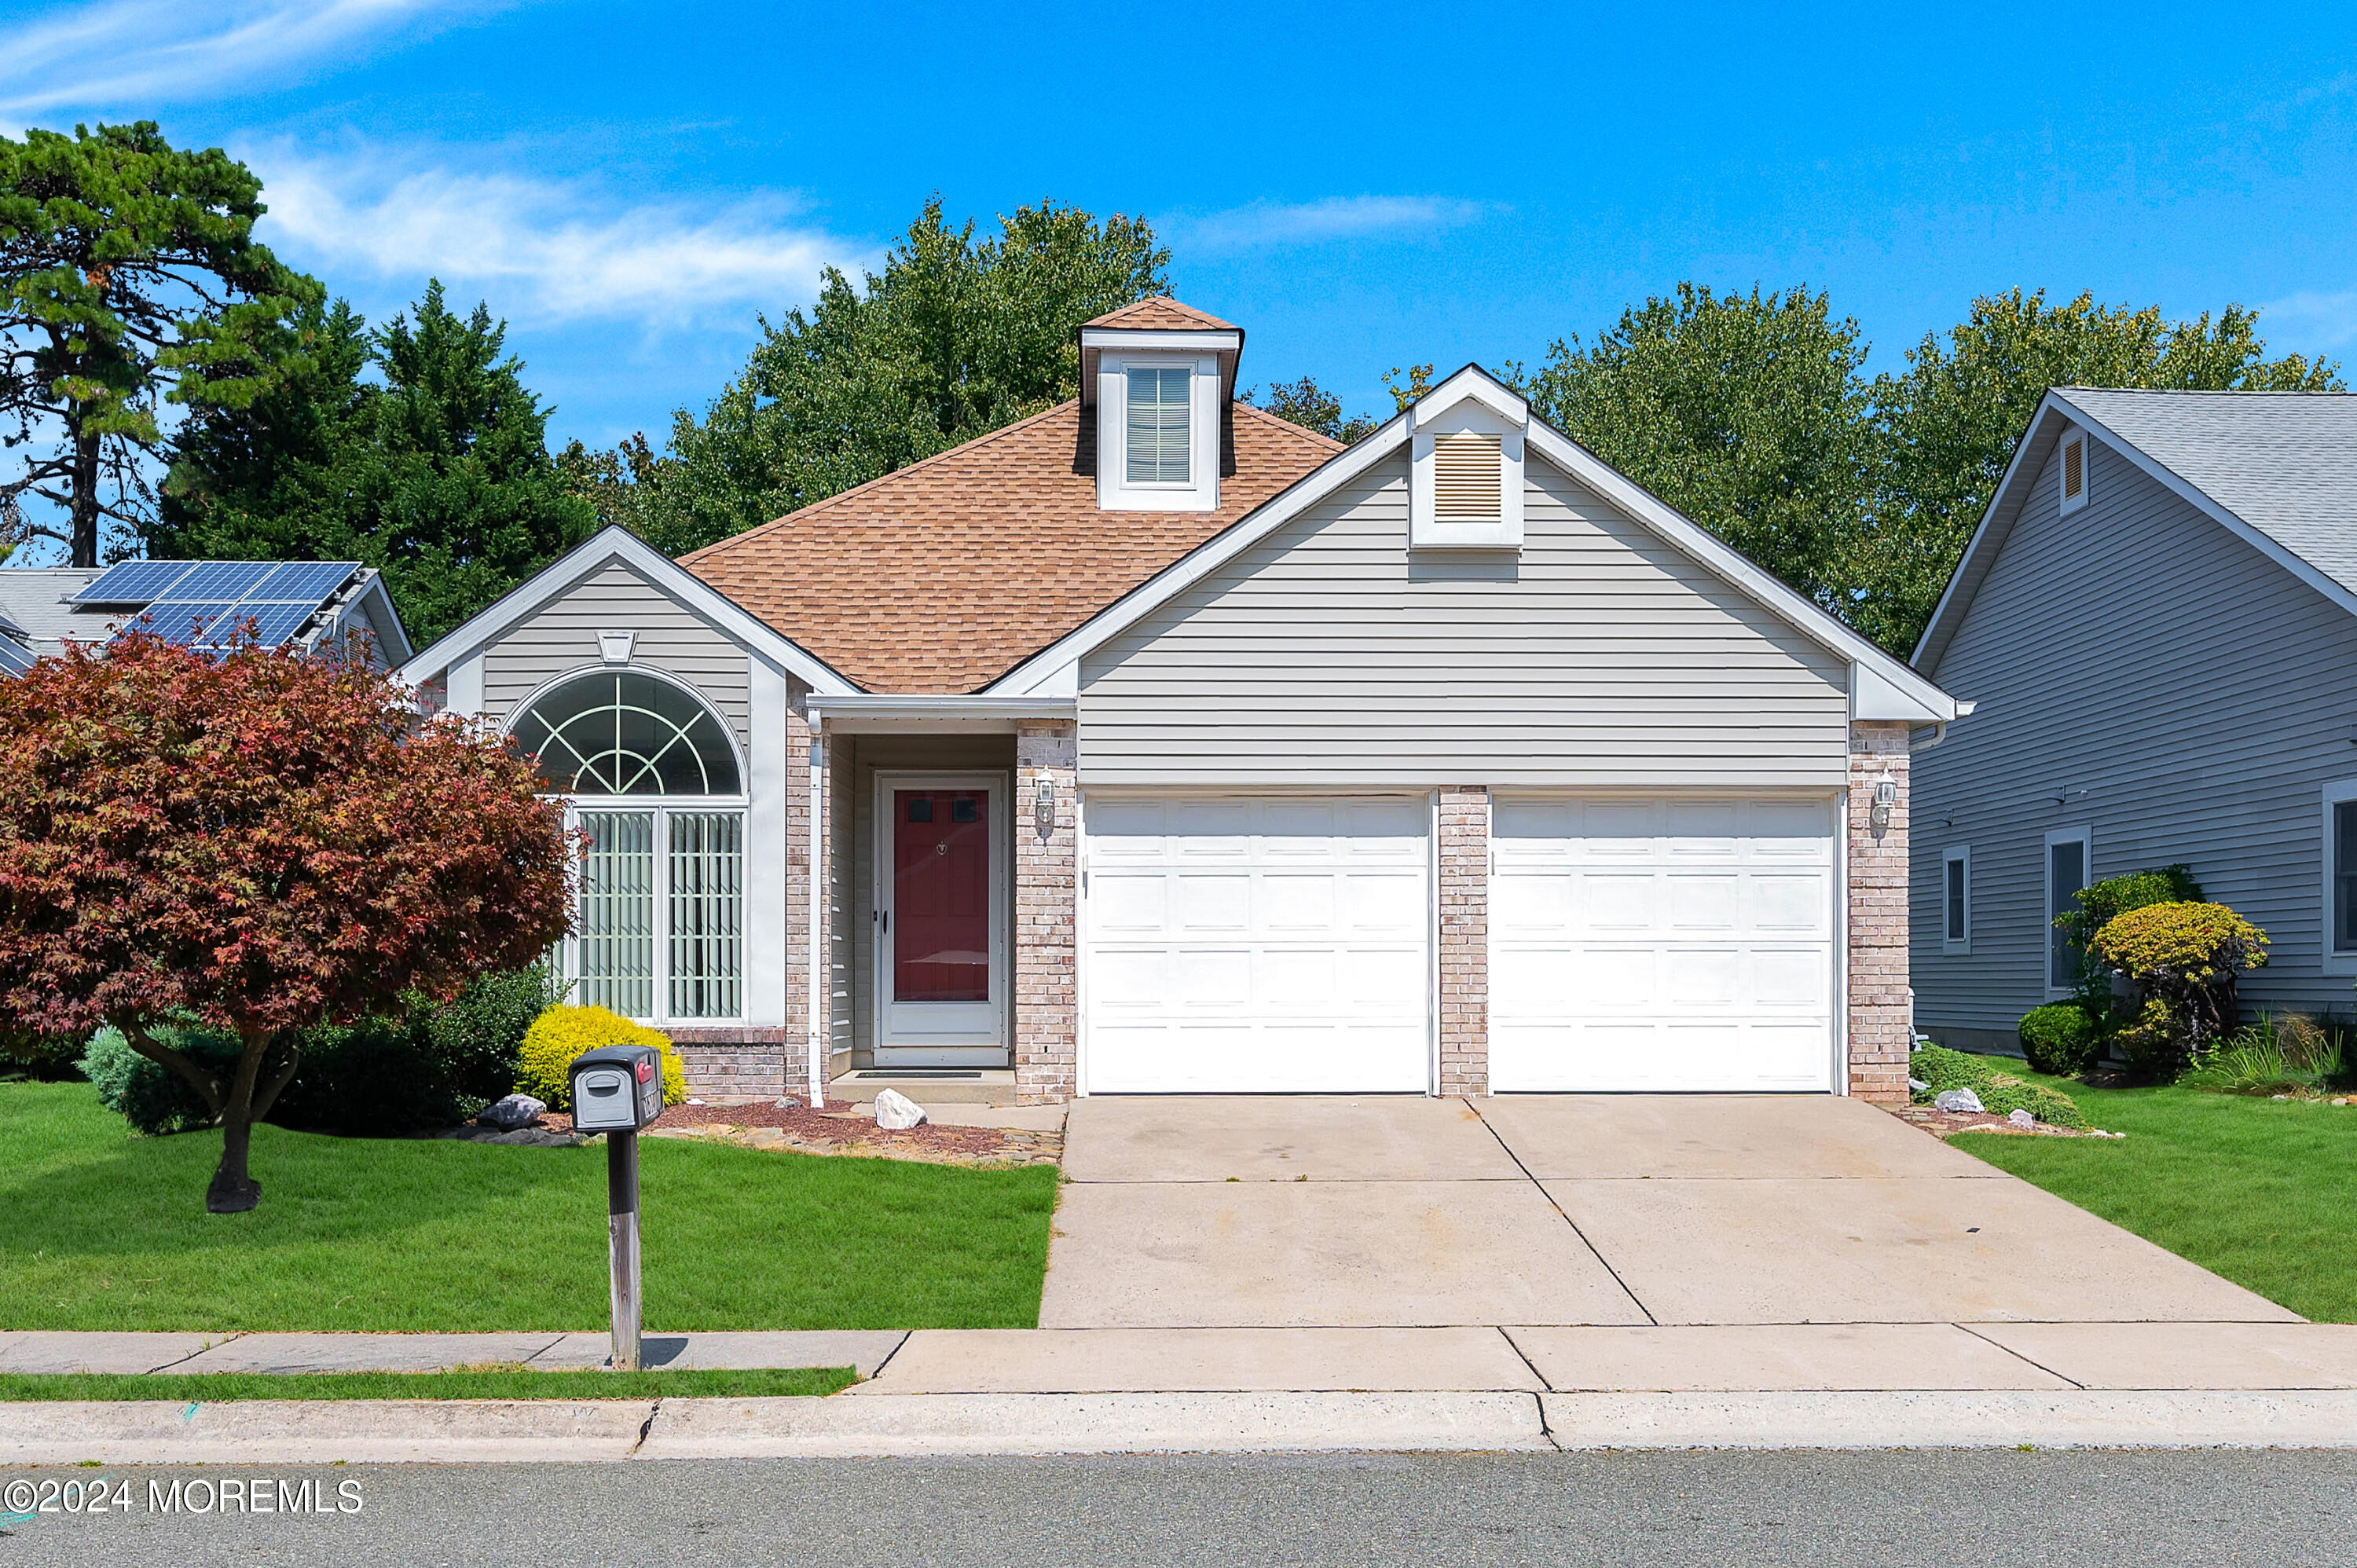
[[1957, 1511]]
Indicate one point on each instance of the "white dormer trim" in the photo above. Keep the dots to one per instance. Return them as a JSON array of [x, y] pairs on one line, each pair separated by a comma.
[[1467, 406], [1201, 490]]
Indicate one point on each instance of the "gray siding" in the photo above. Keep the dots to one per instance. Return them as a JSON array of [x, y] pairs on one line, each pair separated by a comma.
[[1325, 654], [2142, 671], [963, 753], [672, 638]]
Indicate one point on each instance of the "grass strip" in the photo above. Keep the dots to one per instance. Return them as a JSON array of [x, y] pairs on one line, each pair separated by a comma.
[[217, 1388]]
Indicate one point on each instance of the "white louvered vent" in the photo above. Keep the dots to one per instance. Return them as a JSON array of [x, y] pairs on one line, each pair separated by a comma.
[[1467, 477], [2074, 472]]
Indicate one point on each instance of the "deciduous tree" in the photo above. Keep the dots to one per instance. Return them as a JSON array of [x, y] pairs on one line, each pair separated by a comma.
[[260, 842], [1311, 406]]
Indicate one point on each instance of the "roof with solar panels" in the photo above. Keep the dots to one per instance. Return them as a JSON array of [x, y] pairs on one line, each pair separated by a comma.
[[208, 605]]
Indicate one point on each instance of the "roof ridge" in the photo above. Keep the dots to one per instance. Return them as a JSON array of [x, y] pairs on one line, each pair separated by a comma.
[[2211, 392], [865, 486]]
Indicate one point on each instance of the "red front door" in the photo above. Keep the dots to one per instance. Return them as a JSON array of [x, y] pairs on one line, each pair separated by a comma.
[[940, 939]]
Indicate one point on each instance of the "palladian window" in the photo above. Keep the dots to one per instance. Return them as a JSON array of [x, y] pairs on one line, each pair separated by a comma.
[[650, 780]]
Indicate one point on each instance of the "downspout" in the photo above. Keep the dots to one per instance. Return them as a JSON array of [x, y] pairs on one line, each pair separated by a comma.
[[818, 931], [1940, 728]]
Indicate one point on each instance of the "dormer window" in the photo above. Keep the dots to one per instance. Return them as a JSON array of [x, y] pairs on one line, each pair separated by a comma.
[[1156, 381], [1160, 414], [2074, 470]]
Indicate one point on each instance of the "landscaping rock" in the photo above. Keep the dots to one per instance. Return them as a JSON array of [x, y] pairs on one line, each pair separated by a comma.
[[786, 1102], [1916, 1086], [1958, 1100], [514, 1112], [2023, 1120], [894, 1111]]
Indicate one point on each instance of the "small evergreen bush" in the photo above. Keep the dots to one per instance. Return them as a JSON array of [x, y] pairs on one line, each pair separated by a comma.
[[153, 1098], [2184, 960], [2000, 1091], [563, 1033], [2060, 1039]]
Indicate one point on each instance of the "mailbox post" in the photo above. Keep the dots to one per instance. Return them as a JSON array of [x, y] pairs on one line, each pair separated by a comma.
[[618, 1090]]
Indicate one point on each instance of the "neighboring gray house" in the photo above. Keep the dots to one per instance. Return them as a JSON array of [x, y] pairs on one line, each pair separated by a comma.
[[2156, 627], [1153, 744], [288, 603]]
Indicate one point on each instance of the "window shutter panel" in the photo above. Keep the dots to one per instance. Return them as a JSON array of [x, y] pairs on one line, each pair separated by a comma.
[[1467, 477]]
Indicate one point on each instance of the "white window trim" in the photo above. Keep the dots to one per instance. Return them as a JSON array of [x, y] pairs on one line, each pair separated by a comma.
[[2086, 468], [2339, 963], [1950, 941], [662, 807], [2085, 838], [1115, 491]]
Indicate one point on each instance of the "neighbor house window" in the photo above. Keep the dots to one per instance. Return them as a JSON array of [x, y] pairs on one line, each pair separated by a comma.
[[651, 781], [2067, 857], [1159, 420], [1956, 899], [2340, 877]]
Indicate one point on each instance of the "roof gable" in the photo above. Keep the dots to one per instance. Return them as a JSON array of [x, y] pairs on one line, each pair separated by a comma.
[[1161, 314]]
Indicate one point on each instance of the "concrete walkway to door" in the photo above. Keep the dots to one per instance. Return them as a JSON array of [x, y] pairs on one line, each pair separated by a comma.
[[1566, 1210]]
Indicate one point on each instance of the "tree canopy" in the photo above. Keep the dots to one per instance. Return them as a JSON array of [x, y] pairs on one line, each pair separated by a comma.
[[956, 338], [438, 472], [128, 274], [1311, 406], [259, 841]]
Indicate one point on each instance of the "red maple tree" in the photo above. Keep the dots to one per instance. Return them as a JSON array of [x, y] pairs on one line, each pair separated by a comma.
[[258, 840]]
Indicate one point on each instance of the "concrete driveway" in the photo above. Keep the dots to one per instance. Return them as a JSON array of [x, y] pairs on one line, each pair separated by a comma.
[[1575, 1209]]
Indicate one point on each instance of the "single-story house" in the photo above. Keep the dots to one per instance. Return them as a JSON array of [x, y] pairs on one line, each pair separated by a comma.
[[299, 605], [1154, 744], [2157, 623]]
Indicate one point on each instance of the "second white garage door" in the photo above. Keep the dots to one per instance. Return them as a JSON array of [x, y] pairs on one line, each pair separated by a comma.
[[1258, 945], [1658, 944]]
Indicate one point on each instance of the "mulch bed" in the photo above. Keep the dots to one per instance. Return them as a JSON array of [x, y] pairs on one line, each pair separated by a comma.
[[1948, 1124], [842, 1129]]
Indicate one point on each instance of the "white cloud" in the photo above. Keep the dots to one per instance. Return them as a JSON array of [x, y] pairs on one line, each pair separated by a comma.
[[140, 53], [2326, 320], [1267, 225], [541, 251]]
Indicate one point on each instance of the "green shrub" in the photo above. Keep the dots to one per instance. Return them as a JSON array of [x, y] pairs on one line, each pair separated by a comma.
[[2277, 1055], [2184, 961], [563, 1033], [151, 1097], [2060, 1039], [2000, 1091], [2100, 902]]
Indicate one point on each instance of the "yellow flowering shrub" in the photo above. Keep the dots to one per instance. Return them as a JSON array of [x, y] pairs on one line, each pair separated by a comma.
[[563, 1033], [2184, 959]]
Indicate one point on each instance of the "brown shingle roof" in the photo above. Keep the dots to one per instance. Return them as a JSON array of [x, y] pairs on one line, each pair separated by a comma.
[[1162, 313], [946, 574]]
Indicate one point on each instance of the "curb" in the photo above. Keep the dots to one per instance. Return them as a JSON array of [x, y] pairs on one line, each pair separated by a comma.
[[320, 1432], [2072, 1418]]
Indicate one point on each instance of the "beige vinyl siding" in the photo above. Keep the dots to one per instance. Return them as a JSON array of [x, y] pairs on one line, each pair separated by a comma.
[[2141, 672], [1328, 654], [563, 637], [867, 753]]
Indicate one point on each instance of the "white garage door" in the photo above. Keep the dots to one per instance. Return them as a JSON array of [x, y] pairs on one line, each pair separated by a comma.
[[1263, 945], [1661, 944]]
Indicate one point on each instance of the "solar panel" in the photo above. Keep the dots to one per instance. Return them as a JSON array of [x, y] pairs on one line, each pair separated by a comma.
[[302, 582], [184, 622], [132, 583], [272, 625], [14, 657], [222, 579]]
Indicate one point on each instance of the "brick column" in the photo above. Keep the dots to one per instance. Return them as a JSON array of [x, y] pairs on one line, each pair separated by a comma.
[[1046, 911], [1879, 1014], [1464, 938], [798, 892]]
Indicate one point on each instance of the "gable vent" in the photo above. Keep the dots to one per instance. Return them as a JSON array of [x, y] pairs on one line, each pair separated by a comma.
[[1467, 477], [2075, 472]]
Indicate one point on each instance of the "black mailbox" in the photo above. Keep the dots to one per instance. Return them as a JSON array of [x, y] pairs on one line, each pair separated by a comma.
[[617, 1089]]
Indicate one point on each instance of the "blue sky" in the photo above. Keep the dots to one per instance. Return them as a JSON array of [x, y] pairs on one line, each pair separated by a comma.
[[1359, 187]]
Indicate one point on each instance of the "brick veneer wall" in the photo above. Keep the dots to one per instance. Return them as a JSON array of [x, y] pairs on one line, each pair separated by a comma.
[[734, 1061], [1046, 911], [1464, 939], [1879, 1017]]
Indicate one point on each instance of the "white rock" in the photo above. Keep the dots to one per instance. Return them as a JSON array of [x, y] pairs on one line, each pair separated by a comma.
[[2022, 1118], [895, 1111], [514, 1112], [1916, 1086], [1958, 1100], [786, 1102]]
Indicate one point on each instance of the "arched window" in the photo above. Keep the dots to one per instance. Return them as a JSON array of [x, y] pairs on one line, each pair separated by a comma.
[[625, 733], [657, 928]]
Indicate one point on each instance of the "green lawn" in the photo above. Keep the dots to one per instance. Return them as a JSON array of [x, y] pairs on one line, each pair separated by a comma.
[[102, 1229], [2262, 1191], [218, 1388]]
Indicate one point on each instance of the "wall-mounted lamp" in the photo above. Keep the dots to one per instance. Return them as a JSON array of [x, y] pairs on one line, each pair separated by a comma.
[[1886, 796], [1043, 807]]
